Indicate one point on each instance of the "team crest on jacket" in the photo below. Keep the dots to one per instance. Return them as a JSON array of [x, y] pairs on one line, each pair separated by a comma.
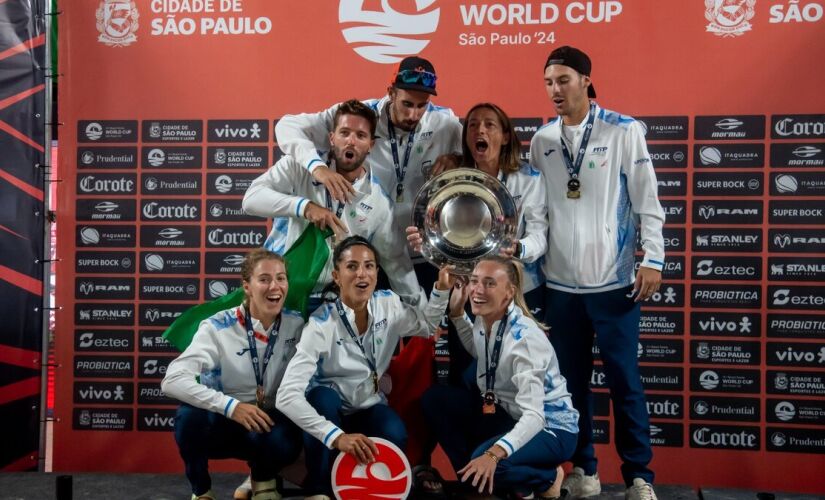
[[729, 18], [117, 22]]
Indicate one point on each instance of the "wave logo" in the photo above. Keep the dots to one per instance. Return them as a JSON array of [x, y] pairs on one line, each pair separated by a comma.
[[389, 477], [386, 36]]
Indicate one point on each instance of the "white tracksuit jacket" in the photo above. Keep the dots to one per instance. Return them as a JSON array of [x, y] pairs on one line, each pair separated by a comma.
[[528, 383], [306, 138], [284, 192], [219, 355], [327, 356], [592, 240]]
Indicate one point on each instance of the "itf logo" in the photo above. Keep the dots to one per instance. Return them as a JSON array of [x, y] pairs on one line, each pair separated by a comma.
[[387, 36], [117, 22], [388, 477], [729, 18]]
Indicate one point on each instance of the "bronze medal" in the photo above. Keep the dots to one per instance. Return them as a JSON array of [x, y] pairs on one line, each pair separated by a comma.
[[259, 396], [375, 382], [573, 186], [489, 405]]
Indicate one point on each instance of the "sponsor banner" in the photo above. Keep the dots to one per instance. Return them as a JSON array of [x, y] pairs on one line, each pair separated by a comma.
[[105, 262], [727, 184], [224, 263], [720, 268], [661, 378], [169, 289], [726, 296], [668, 155], [106, 184], [601, 403], [797, 154], [734, 240], [729, 127], [105, 236], [153, 366], [177, 236], [660, 351], [171, 157], [724, 380], [228, 210], [170, 210], [662, 322], [214, 288], [725, 324], [120, 157], [725, 437], [153, 341], [95, 209], [806, 355], [728, 155], [797, 184], [796, 268], [170, 262], [235, 236], [795, 411], [102, 393], [798, 326], [796, 240], [104, 314], [103, 366], [796, 297], [727, 212], [675, 211], [674, 239], [664, 128], [795, 440], [669, 295], [798, 383], [104, 288], [229, 183], [724, 408], [796, 211], [672, 183], [160, 314], [103, 340], [674, 268], [237, 157], [179, 183], [149, 393], [238, 130], [601, 431], [526, 127], [798, 127], [598, 379], [172, 131], [669, 406], [107, 131], [666, 434], [720, 352], [101, 419]]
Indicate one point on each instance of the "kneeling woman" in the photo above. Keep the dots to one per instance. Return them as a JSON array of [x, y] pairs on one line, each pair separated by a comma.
[[520, 425], [345, 348], [227, 380]]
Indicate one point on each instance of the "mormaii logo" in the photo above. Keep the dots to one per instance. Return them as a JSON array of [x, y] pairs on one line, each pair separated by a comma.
[[729, 18], [387, 36], [117, 22], [388, 477]]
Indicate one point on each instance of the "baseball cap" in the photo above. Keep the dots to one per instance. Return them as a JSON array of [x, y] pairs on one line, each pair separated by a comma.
[[415, 73], [573, 58]]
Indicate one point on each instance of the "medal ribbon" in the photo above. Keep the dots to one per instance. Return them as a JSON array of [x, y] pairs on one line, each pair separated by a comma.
[[253, 348], [354, 337], [491, 360], [400, 170], [573, 168]]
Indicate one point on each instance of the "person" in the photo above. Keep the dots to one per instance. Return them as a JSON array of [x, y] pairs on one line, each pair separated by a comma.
[[239, 355], [288, 190], [518, 424], [331, 386], [600, 186]]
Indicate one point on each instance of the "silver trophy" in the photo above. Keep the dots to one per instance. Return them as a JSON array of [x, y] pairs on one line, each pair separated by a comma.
[[463, 215]]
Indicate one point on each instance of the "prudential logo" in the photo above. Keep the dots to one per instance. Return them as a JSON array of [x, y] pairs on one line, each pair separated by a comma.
[[386, 36]]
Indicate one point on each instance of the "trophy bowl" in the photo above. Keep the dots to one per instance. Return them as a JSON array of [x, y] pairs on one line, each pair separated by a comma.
[[463, 215]]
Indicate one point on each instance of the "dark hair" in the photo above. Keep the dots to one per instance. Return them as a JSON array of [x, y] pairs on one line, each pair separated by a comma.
[[510, 158], [331, 291], [357, 108], [252, 259], [515, 272]]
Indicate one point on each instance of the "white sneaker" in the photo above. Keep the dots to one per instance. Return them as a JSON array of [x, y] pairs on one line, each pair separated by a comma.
[[641, 490], [265, 490], [244, 491], [580, 485], [209, 495]]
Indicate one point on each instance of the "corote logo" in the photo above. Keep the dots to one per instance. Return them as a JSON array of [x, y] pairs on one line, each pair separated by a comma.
[[387, 36], [729, 18], [117, 22], [388, 477]]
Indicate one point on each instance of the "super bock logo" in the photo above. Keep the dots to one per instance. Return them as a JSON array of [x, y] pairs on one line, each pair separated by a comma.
[[729, 18], [387, 36], [117, 22]]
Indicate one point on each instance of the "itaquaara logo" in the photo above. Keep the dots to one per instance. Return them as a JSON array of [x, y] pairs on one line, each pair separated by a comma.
[[729, 18], [117, 22], [387, 36]]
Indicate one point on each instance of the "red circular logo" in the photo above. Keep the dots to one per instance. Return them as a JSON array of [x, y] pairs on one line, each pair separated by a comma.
[[389, 477]]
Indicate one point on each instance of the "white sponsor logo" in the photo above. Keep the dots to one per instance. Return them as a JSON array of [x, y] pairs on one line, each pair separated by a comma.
[[806, 151], [710, 156], [156, 157], [785, 411], [709, 380], [153, 210], [94, 131], [729, 18], [701, 407], [786, 183], [703, 436], [223, 184], [117, 22], [787, 127], [219, 237], [729, 124], [227, 132], [809, 13]]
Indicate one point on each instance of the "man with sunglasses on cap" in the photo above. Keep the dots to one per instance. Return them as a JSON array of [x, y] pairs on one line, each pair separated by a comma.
[[601, 187]]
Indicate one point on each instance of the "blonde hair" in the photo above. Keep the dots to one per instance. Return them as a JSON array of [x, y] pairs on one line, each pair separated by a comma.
[[515, 273], [251, 260]]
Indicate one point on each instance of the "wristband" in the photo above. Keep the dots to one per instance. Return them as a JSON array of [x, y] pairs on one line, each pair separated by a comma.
[[491, 455]]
